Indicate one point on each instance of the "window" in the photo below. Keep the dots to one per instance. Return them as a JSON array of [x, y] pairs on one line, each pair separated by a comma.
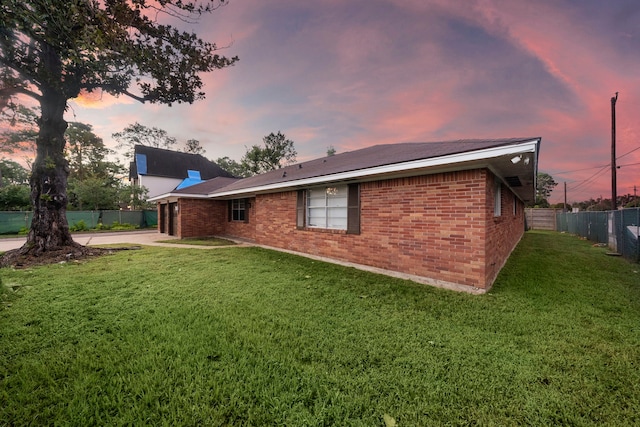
[[327, 207], [238, 210], [331, 207], [515, 205], [497, 200]]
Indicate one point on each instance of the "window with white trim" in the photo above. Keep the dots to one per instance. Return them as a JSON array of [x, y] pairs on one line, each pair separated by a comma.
[[327, 207], [497, 199]]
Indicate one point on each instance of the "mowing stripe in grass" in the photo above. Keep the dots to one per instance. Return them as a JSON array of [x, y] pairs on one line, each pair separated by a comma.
[[248, 336]]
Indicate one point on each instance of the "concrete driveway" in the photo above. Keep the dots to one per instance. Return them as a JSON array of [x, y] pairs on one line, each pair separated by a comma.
[[146, 237]]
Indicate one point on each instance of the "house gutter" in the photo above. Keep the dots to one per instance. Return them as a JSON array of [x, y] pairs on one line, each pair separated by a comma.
[[178, 196], [414, 165], [522, 148]]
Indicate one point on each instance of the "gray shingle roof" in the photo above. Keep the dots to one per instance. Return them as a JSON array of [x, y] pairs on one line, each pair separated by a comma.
[[174, 164], [208, 186], [377, 155], [364, 159]]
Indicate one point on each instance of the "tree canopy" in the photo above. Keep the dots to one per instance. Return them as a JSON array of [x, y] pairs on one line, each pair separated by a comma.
[[52, 52], [278, 151], [87, 154], [138, 134], [21, 135], [92, 45], [12, 173], [544, 186], [231, 166], [93, 179], [14, 191], [193, 146]]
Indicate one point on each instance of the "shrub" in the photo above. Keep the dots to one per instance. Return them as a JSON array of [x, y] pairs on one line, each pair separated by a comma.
[[117, 226], [79, 226]]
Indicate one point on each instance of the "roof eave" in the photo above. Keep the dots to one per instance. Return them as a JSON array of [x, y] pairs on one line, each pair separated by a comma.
[[167, 196], [530, 146]]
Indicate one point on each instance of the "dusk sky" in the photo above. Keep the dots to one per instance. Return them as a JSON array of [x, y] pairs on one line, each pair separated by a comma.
[[352, 74]]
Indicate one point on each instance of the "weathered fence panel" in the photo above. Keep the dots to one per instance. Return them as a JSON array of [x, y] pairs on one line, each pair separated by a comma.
[[541, 219], [14, 222], [620, 229]]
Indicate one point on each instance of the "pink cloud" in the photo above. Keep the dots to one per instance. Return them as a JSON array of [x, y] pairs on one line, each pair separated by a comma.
[[353, 75]]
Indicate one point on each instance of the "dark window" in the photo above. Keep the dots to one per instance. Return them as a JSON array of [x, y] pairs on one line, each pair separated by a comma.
[[300, 209], [238, 210], [353, 209]]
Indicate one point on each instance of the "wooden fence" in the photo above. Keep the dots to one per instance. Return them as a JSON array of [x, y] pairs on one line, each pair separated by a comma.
[[541, 219]]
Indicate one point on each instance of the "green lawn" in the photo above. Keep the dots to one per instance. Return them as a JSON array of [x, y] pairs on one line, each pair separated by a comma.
[[200, 241], [247, 336]]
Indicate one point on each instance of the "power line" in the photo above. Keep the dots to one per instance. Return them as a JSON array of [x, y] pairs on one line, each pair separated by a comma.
[[637, 148], [629, 164], [597, 167], [590, 179], [578, 170]]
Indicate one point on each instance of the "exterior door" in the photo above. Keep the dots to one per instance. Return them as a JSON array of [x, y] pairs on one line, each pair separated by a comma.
[[162, 221], [173, 219]]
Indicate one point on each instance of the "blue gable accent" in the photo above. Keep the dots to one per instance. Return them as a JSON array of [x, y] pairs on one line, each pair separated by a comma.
[[141, 164], [192, 179]]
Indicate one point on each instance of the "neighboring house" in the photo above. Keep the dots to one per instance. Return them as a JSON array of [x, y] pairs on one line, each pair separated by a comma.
[[444, 213], [161, 171]]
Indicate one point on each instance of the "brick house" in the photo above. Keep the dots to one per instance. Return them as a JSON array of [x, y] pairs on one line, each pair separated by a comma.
[[444, 213]]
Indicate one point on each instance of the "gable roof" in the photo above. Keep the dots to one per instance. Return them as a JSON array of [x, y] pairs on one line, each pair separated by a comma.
[[392, 160], [172, 164], [207, 187]]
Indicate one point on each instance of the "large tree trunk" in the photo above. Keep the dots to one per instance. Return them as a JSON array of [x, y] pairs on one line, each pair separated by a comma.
[[49, 227]]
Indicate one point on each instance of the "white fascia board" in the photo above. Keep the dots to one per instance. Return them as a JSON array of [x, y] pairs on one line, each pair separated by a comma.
[[485, 154], [178, 196]]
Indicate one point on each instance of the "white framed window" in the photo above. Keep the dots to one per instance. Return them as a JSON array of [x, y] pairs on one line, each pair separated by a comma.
[[327, 207], [497, 199]]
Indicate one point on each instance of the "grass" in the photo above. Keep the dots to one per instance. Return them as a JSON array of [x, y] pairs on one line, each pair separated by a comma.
[[247, 336], [200, 241]]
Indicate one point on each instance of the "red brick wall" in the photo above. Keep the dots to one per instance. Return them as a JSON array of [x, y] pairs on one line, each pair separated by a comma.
[[438, 226], [199, 217], [431, 226], [241, 229], [504, 231]]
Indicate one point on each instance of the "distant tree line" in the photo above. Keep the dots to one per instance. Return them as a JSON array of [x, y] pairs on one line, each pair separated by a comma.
[[546, 184], [95, 182]]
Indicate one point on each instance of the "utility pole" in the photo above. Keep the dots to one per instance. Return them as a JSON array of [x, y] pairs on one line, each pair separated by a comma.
[[614, 189], [565, 197]]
